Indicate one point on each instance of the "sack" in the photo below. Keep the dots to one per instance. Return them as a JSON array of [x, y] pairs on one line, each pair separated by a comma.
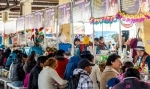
[[73, 82]]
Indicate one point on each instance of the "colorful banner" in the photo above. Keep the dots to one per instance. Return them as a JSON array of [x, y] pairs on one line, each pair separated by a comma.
[[64, 14], [29, 22], [20, 24], [38, 20], [50, 21], [81, 10]]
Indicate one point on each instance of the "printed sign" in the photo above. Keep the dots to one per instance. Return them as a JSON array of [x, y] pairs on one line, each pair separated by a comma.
[[20, 24], [81, 10], [64, 14], [50, 21], [38, 20], [29, 22]]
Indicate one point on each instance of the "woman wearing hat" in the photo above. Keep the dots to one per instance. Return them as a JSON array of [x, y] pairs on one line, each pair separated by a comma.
[[142, 57]]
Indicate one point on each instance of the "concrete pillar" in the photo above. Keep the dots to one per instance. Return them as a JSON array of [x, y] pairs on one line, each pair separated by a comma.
[[63, 1], [26, 7], [144, 34], [5, 16]]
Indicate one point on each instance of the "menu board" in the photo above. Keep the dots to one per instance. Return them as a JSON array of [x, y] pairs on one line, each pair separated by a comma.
[[81, 10], [20, 24], [29, 22], [50, 21], [38, 20], [99, 8], [130, 6], [102, 8], [64, 13]]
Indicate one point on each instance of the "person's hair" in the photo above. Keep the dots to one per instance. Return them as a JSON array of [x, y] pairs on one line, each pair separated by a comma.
[[51, 55], [132, 72], [41, 59], [24, 55], [111, 59], [31, 61], [60, 55], [96, 39], [126, 65], [89, 57], [31, 57], [68, 54], [76, 39], [50, 62], [101, 38]]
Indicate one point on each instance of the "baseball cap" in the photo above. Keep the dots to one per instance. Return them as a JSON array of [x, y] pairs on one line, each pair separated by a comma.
[[84, 63]]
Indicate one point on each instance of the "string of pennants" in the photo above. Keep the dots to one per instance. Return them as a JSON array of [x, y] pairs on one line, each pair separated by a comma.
[[121, 16], [23, 32]]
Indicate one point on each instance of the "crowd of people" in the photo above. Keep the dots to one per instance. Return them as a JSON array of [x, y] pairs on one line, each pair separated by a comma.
[[60, 70]]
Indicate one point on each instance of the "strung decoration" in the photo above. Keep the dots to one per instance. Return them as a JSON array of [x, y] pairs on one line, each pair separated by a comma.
[[106, 20], [37, 30], [131, 18]]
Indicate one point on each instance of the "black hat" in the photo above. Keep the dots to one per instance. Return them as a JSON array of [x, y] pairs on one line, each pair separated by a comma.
[[84, 63], [85, 53]]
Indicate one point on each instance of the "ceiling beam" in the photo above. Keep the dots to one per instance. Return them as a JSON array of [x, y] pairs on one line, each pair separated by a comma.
[[46, 0]]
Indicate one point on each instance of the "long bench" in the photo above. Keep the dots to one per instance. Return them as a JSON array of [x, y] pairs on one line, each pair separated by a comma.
[[12, 87], [5, 81]]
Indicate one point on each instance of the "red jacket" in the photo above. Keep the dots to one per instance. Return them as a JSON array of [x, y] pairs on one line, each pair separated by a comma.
[[61, 67]]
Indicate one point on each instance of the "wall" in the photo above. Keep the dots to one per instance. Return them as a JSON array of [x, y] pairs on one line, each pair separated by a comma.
[[66, 31], [145, 34], [63, 1]]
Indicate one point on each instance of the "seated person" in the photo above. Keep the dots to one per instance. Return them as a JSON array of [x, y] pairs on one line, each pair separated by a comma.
[[132, 81]]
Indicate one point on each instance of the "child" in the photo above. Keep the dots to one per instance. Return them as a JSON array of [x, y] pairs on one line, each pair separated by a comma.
[[126, 65]]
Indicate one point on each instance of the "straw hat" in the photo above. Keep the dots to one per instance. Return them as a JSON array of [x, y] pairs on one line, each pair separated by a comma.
[[140, 46]]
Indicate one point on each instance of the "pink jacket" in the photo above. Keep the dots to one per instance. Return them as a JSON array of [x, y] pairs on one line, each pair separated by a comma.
[[121, 77], [25, 82]]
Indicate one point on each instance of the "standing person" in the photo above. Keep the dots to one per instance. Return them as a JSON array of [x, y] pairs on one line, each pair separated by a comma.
[[48, 75], [102, 45], [33, 78], [72, 64], [96, 43], [142, 57], [113, 64], [84, 69], [95, 73], [62, 62]]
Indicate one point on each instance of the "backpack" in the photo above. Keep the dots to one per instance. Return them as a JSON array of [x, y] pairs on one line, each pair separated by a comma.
[[112, 82], [17, 72], [73, 82]]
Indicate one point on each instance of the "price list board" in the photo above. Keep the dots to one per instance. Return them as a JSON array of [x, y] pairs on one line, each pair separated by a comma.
[[29, 22], [100, 8], [81, 10], [38, 20], [64, 13], [130, 6], [50, 17], [20, 24]]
